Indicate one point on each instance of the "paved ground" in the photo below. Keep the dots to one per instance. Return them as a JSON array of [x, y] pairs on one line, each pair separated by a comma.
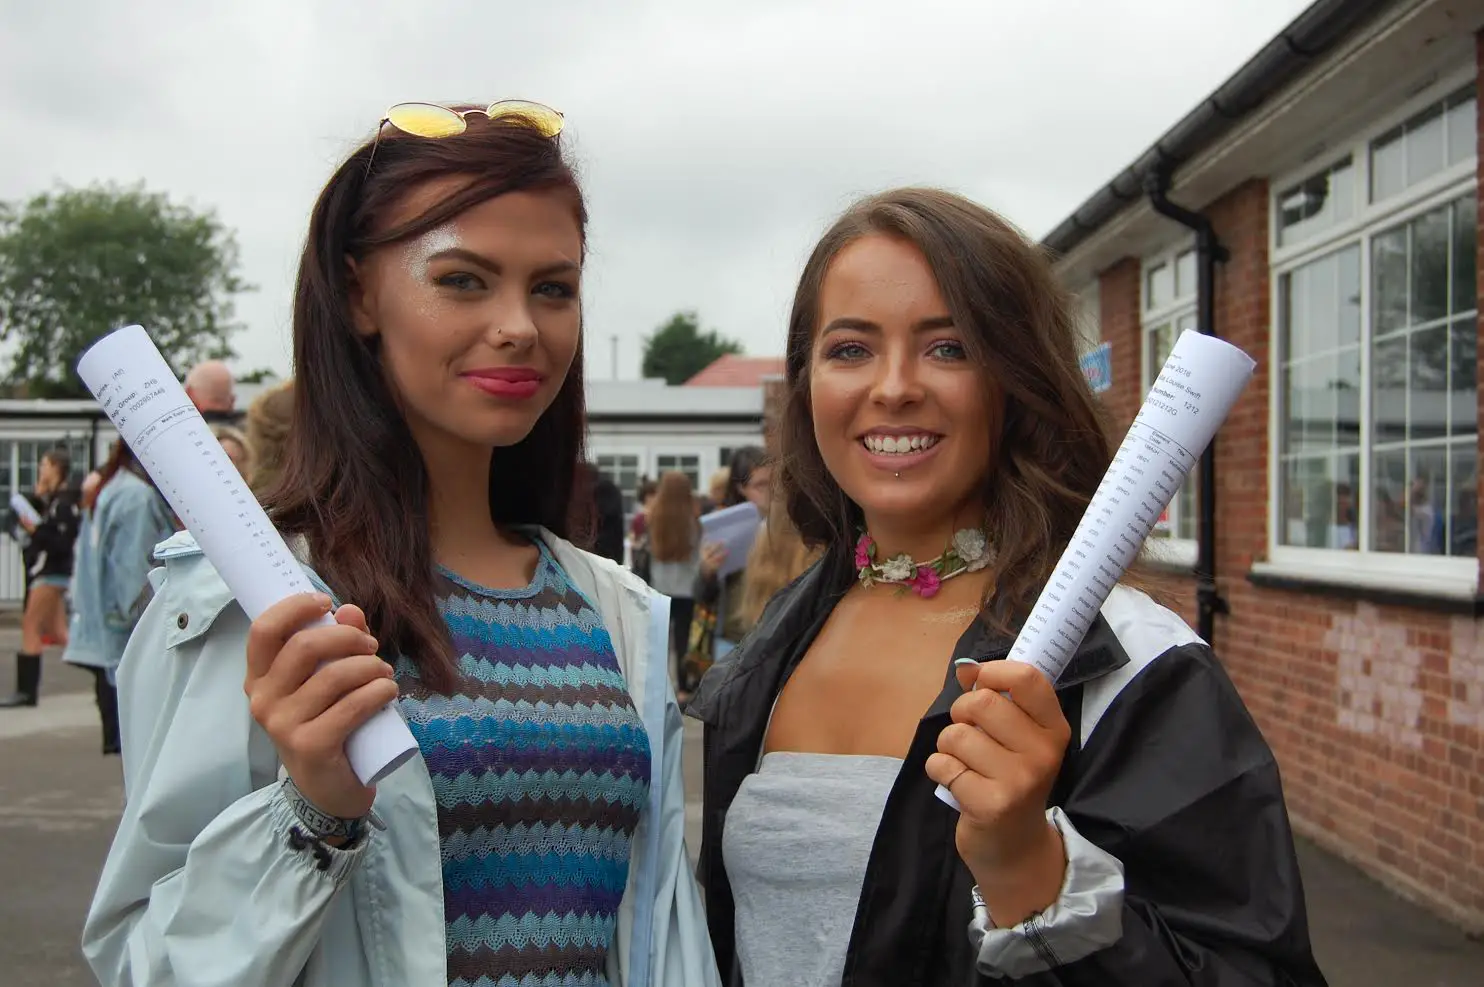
[[59, 802]]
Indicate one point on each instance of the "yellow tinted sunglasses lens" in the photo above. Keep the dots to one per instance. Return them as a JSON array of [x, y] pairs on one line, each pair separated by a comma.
[[425, 120], [543, 118]]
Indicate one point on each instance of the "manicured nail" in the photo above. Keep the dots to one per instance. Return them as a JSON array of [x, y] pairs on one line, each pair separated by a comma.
[[960, 662]]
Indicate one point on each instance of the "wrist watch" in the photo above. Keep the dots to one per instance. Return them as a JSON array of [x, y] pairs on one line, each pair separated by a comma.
[[321, 825]]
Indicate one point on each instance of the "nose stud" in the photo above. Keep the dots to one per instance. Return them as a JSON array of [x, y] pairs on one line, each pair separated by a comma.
[[897, 475]]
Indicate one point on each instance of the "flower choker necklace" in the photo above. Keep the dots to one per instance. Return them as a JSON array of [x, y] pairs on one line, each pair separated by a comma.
[[968, 552]]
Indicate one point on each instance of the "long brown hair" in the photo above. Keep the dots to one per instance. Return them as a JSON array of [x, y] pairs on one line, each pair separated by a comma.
[[1054, 445], [672, 520], [353, 482], [778, 557], [269, 422]]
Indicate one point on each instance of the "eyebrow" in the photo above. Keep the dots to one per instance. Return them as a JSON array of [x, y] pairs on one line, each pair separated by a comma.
[[469, 256], [847, 322]]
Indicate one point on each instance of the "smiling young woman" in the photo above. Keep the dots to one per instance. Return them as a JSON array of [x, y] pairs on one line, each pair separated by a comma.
[[1125, 826], [428, 478]]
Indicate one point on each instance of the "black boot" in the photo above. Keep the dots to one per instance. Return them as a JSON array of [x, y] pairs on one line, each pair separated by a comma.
[[27, 682]]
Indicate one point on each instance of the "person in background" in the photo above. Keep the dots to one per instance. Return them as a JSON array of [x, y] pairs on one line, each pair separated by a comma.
[[1122, 826], [607, 507], [645, 496], [716, 490], [749, 479], [268, 421], [122, 522], [235, 445], [210, 387], [779, 555], [675, 561], [639, 556], [47, 556]]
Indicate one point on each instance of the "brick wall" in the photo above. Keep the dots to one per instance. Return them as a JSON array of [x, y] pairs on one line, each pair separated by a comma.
[[1376, 713]]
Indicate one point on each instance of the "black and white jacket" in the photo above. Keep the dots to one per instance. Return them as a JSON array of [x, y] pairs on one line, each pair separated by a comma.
[[1181, 865]]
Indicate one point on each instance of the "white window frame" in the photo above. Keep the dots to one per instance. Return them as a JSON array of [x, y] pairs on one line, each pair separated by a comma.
[[1430, 574], [1169, 549], [637, 452], [705, 462]]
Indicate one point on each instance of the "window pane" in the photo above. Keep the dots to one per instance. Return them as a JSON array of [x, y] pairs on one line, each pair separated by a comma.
[[1319, 503], [1389, 280], [1160, 286], [1463, 120], [1465, 295], [1427, 404], [1429, 289], [1463, 501], [6, 446], [1463, 374], [1389, 391], [1345, 397], [1161, 340], [1425, 152], [1462, 131], [1387, 165], [1317, 203], [1185, 274], [1426, 510], [1185, 514], [1348, 296], [1388, 503]]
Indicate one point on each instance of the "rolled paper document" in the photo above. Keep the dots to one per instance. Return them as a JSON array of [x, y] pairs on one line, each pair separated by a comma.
[[151, 411], [1192, 396]]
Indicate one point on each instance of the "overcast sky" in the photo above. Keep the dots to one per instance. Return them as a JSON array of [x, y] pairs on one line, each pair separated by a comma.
[[715, 140]]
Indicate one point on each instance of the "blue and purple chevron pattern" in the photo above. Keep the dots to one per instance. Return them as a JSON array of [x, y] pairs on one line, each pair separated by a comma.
[[540, 764]]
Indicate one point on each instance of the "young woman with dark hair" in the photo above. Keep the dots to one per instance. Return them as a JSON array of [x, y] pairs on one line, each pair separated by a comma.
[[48, 556], [1124, 826], [428, 482]]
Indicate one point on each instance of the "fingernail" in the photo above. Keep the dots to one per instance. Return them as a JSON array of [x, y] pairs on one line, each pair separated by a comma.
[[961, 662], [322, 600]]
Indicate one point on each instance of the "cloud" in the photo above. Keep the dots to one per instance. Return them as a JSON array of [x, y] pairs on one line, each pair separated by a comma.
[[715, 140]]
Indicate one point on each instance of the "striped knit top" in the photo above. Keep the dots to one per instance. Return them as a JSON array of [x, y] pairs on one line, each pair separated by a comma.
[[540, 764]]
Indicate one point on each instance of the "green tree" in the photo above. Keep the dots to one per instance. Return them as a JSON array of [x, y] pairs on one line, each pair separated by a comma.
[[257, 376], [678, 350], [77, 263]]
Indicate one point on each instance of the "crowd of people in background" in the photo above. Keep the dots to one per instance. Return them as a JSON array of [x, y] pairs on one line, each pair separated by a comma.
[[710, 612], [88, 553], [88, 558]]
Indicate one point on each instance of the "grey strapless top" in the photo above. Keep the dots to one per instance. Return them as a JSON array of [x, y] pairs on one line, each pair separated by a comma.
[[796, 844]]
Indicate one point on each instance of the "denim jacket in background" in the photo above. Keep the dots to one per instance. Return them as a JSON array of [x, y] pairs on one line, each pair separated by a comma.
[[202, 888], [110, 584]]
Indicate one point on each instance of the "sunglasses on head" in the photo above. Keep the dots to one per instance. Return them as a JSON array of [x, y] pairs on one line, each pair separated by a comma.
[[434, 120]]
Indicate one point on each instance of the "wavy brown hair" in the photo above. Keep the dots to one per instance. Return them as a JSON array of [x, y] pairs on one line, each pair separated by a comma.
[[1017, 325], [672, 520], [353, 482], [269, 421]]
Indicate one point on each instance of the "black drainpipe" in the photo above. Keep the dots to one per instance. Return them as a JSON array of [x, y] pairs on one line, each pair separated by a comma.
[[1208, 253]]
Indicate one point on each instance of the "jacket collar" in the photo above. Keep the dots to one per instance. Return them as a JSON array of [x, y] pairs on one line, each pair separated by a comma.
[[796, 613]]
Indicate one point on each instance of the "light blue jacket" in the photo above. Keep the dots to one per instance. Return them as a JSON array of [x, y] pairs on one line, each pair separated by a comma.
[[200, 888], [111, 566]]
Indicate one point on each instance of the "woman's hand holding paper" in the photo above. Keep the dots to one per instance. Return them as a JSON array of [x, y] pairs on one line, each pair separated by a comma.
[[1000, 758], [311, 684]]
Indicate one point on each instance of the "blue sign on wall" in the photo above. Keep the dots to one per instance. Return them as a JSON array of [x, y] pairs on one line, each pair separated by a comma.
[[1098, 367]]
